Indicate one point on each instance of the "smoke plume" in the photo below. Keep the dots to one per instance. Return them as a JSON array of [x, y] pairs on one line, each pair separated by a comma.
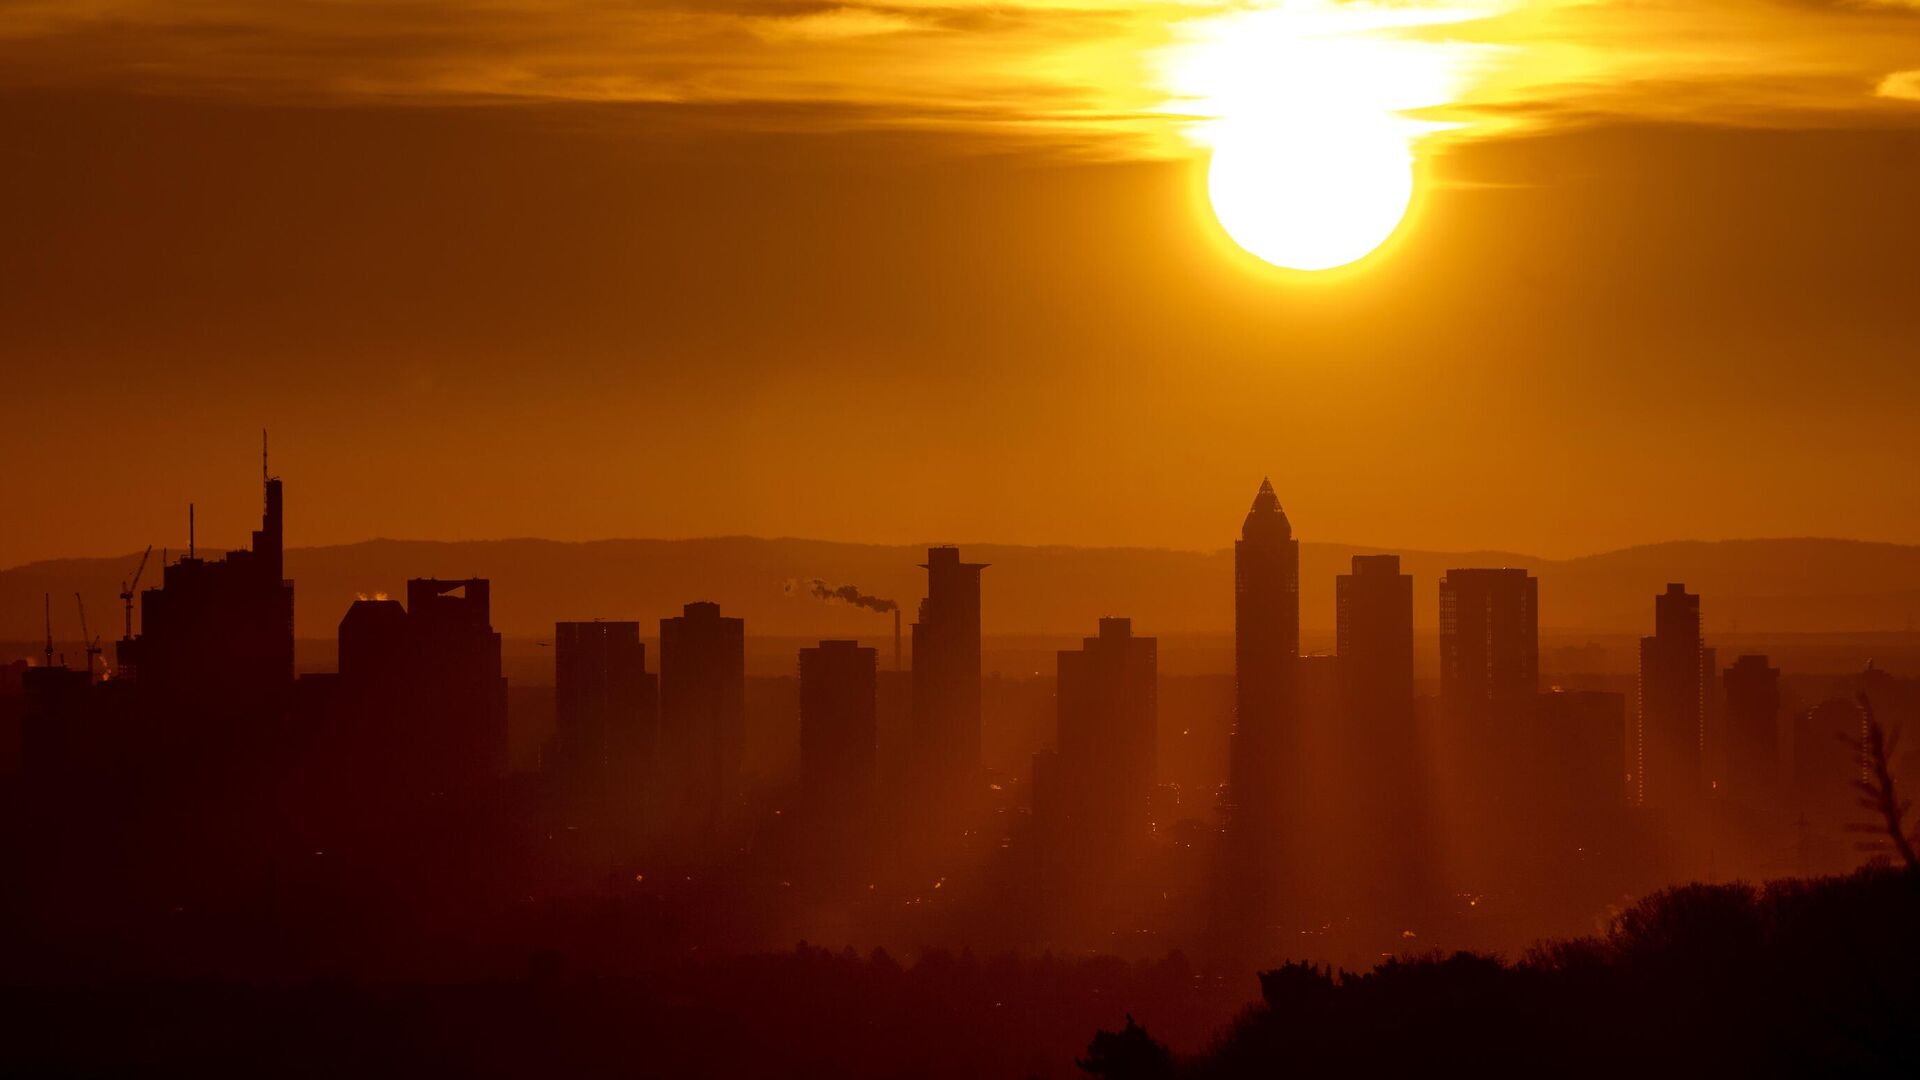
[[845, 594]]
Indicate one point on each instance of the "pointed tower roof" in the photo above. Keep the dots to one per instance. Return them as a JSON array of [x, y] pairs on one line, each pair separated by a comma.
[[1266, 519], [1265, 499]]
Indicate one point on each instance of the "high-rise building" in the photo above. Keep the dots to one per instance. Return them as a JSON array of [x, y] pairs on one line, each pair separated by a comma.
[[1107, 702], [1580, 758], [946, 673], [1753, 731], [1489, 646], [1666, 748], [216, 640], [1266, 628], [1374, 759], [1828, 753], [421, 697], [703, 695], [839, 731], [54, 707], [420, 705], [458, 651], [605, 709], [1252, 893], [1374, 632]]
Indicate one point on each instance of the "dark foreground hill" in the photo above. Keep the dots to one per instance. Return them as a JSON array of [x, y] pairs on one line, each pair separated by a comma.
[[1808, 586], [1799, 978]]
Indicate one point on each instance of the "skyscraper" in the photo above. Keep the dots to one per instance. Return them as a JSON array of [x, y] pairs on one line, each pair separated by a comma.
[[216, 640], [1580, 760], [703, 695], [946, 673], [1376, 763], [839, 732], [422, 703], [1374, 631], [1107, 702], [605, 709], [1265, 739], [1266, 628], [1666, 748], [1489, 646], [1753, 731], [1827, 756]]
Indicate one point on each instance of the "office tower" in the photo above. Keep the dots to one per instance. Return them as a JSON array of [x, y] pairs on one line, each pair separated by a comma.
[[1753, 731], [1666, 751], [605, 710], [839, 732], [703, 694], [1489, 646], [1266, 626], [946, 673], [55, 703], [1256, 859], [216, 640], [1581, 759], [458, 652], [1375, 758], [421, 700], [1374, 633], [1828, 754], [1107, 709]]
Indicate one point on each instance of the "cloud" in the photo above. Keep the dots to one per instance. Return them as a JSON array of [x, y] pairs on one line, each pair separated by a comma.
[[1068, 71], [1900, 86]]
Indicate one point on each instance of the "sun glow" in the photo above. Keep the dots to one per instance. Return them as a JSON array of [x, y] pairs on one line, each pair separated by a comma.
[[1308, 109]]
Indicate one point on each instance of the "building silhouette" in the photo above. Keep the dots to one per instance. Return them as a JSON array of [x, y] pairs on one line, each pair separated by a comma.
[[1489, 646], [1374, 634], [839, 730], [1752, 688], [1828, 757], [1666, 749], [1377, 759], [1108, 712], [946, 674], [703, 693], [1265, 738], [420, 697], [606, 713], [1581, 761], [215, 648], [1266, 635], [56, 714]]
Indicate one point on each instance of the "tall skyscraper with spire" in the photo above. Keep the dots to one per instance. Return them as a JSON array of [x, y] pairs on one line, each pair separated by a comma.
[[1266, 634], [1266, 627], [216, 640]]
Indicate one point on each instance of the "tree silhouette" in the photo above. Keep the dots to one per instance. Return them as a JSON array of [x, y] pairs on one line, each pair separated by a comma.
[[1879, 796], [1127, 1054]]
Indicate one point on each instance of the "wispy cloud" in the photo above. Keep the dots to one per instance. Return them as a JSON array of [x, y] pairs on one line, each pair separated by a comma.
[[1091, 69]]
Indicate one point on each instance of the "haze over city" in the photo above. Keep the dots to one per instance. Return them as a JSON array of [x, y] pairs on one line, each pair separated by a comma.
[[1034, 539]]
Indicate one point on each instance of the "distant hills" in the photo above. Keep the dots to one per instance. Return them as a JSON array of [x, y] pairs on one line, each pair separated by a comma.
[[1810, 585]]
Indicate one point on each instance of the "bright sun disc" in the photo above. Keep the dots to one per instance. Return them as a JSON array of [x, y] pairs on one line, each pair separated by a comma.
[[1311, 197]]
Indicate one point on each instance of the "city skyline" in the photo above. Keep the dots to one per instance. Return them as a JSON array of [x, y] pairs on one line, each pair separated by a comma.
[[975, 539]]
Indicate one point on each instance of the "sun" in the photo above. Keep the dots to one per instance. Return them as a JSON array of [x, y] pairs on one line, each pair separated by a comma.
[[1311, 111], [1311, 196]]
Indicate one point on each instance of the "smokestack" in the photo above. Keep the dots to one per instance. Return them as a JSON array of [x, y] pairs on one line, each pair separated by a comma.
[[851, 594]]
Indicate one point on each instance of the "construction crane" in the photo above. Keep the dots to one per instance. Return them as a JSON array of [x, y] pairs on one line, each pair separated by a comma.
[[127, 589], [46, 600], [90, 641]]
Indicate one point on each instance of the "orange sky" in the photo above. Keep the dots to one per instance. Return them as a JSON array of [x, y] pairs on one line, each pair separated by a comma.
[[926, 271]]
